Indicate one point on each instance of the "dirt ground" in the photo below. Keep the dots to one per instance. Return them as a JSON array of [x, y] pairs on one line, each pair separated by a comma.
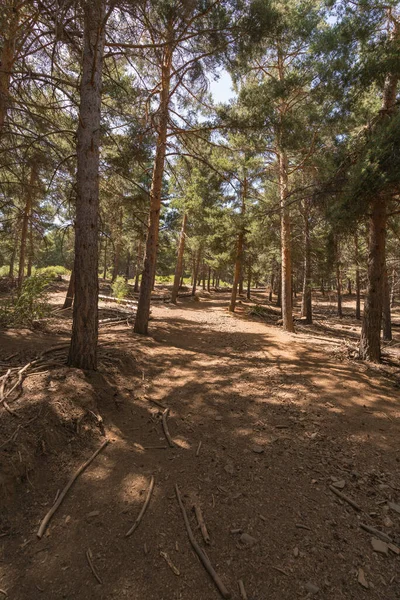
[[281, 418]]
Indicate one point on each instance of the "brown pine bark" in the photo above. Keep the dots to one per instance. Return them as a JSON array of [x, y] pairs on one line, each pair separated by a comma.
[[11, 16], [105, 259], [69, 298], [208, 279], [25, 221], [179, 262], [83, 348], [386, 316], [358, 287], [249, 275], [196, 266], [143, 310], [338, 278], [306, 304], [286, 299], [239, 251]]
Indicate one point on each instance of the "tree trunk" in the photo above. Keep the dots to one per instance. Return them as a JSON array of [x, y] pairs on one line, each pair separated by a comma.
[[143, 309], [392, 295], [306, 305], [128, 266], [271, 289], [322, 286], [30, 253], [349, 286], [117, 248], [248, 295], [83, 348], [338, 278], [8, 54], [25, 222], [208, 279], [239, 251], [70, 292], [196, 266], [139, 262], [179, 261], [370, 344], [241, 279], [105, 259], [286, 279], [386, 316], [279, 292], [358, 290]]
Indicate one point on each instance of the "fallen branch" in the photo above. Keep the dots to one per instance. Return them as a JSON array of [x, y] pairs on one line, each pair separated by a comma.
[[89, 557], [165, 428], [202, 524], [56, 505], [198, 449], [376, 533], [144, 508], [200, 553], [242, 590], [345, 498], [160, 404], [169, 562]]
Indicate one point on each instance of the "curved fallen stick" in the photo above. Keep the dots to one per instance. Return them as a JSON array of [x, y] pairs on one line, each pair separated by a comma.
[[56, 505], [165, 428], [200, 553], [144, 508]]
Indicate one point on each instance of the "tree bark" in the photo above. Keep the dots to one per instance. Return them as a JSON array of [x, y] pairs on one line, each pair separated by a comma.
[[143, 310], [239, 250], [196, 266], [69, 299], [249, 273], [386, 316], [370, 344], [338, 278], [8, 54], [271, 288], [105, 259], [179, 261], [25, 222], [286, 279], [83, 348], [306, 304], [358, 289], [279, 291], [208, 279]]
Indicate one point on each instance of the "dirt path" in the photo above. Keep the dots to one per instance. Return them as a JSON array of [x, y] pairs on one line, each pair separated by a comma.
[[279, 419]]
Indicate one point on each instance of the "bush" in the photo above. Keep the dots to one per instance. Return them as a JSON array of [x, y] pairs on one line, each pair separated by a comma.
[[4, 270], [120, 288], [31, 303], [52, 272]]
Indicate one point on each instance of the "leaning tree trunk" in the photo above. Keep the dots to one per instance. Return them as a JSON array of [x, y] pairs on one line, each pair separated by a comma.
[[179, 262], [25, 222], [83, 348], [306, 305], [143, 310], [239, 251], [386, 316]]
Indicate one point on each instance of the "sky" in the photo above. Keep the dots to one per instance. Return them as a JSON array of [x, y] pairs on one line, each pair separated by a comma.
[[222, 88]]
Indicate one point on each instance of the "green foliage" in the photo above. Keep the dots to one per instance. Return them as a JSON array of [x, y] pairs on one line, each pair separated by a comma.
[[31, 303], [120, 288], [52, 272]]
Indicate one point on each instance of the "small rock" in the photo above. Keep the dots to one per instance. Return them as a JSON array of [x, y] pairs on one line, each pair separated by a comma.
[[394, 548], [339, 484], [362, 580], [67, 519], [218, 419], [387, 522], [94, 513], [379, 546], [313, 589], [296, 552], [257, 449], [247, 540], [394, 506]]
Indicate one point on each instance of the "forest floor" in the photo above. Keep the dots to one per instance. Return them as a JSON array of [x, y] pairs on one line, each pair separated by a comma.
[[282, 418]]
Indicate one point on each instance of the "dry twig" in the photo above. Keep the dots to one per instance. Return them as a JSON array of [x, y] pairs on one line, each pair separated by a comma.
[[56, 505], [165, 428], [345, 498], [89, 557], [202, 524], [144, 508]]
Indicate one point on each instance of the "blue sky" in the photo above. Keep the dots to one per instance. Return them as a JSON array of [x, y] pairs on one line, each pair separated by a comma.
[[222, 88]]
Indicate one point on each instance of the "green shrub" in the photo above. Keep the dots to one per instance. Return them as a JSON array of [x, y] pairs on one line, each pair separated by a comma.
[[4, 271], [52, 272], [29, 305], [120, 288]]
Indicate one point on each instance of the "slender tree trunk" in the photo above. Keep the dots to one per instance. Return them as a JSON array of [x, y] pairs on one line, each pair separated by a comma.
[[105, 259], [338, 278], [306, 305], [370, 344], [208, 279], [196, 265], [213, 280], [25, 222], [83, 349], [386, 316], [271, 288], [239, 250], [143, 310], [139, 262], [392, 295], [322, 286], [13, 255], [11, 17], [286, 279], [118, 248], [248, 295], [204, 275], [241, 279], [279, 291], [31, 249], [70, 292], [358, 290], [349, 290], [128, 266], [179, 261]]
